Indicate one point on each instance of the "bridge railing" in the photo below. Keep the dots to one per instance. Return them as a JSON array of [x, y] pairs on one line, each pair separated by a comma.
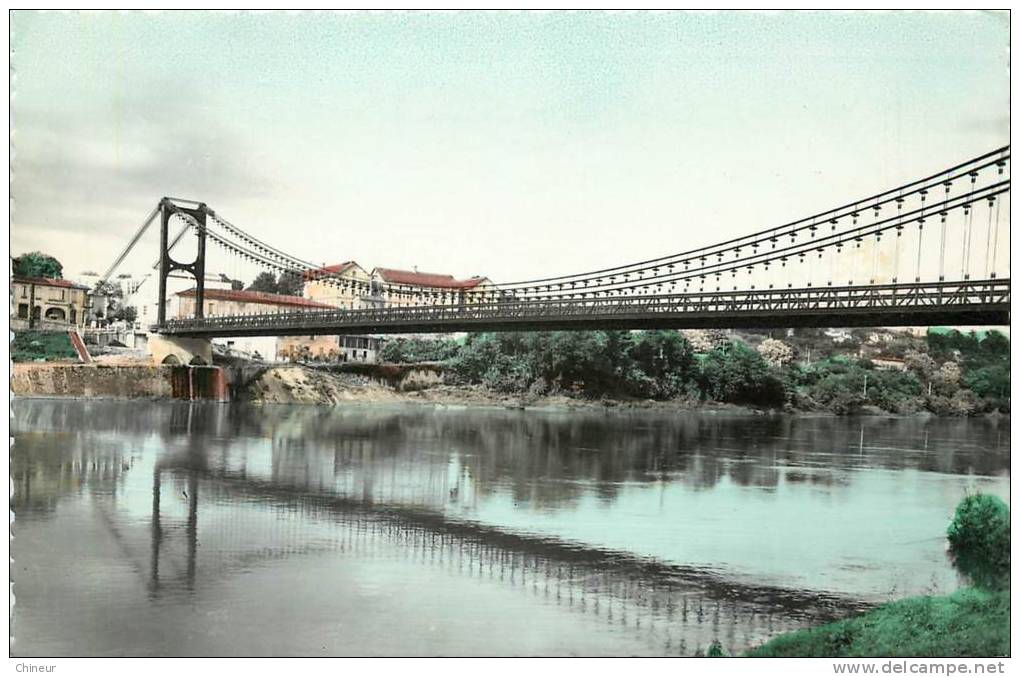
[[810, 299]]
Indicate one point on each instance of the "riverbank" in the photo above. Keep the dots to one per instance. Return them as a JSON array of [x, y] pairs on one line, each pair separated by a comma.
[[970, 623], [952, 375], [298, 384]]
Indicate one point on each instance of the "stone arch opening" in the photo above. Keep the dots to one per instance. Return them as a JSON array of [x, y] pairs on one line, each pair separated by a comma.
[[197, 361], [171, 360], [56, 314]]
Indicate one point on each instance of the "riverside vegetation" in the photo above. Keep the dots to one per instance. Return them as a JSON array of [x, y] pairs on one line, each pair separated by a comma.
[[31, 346], [972, 622], [946, 373]]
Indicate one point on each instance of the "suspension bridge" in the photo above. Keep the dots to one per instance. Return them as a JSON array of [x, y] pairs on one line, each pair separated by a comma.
[[934, 250]]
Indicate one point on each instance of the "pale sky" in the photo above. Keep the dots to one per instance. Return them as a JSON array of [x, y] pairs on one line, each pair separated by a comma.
[[511, 145]]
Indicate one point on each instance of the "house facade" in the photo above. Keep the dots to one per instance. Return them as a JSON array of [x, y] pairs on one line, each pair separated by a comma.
[[360, 348], [343, 285], [242, 302], [330, 348], [278, 348], [401, 288], [52, 301]]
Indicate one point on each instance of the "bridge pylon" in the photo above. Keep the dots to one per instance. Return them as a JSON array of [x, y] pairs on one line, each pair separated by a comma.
[[196, 214]]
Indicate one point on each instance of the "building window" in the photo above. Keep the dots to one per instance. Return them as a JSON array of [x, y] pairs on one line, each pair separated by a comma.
[[24, 292], [23, 311]]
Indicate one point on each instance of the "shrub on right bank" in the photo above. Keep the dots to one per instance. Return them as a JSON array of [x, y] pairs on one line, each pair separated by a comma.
[[971, 622], [979, 540]]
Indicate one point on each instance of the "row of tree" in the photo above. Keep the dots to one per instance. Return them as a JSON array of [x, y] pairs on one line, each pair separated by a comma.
[[947, 374], [289, 284]]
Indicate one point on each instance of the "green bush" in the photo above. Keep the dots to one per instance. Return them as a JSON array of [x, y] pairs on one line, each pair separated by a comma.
[[991, 381], [842, 393], [410, 350], [962, 403], [979, 539], [892, 390], [652, 364], [736, 373], [715, 650]]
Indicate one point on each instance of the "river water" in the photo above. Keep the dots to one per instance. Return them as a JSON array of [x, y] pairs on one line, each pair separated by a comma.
[[190, 529]]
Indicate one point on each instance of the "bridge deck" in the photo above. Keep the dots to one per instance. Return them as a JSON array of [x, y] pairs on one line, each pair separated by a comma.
[[970, 302]]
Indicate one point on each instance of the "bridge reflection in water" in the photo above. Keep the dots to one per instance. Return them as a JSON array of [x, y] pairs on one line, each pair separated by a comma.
[[210, 504], [678, 608], [385, 508]]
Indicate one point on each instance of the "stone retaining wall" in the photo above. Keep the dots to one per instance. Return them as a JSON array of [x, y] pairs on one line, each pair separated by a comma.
[[90, 380]]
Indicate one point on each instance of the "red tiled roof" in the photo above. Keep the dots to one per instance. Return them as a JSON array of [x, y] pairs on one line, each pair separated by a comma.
[[410, 277], [327, 271], [262, 297], [49, 282]]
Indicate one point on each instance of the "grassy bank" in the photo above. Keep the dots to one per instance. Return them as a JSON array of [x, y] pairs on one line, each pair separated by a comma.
[[972, 622], [31, 346], [969, 623]]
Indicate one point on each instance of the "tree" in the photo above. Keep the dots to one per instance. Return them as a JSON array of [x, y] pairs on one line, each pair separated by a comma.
[[991, 381], [922, 365], [264, 282], [410, 350], [658, 364], [37, 264], [494, 360], [842, 393], [737, 373], [706, 340], [894, 390], [126, 313], [236, 285], [775, 352], [661, 353], [995, 345], [953, 345], [108, 298], [290, 283], [946, 380]]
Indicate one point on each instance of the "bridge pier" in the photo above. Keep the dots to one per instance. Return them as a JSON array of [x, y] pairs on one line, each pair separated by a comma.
[[179, 350]]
